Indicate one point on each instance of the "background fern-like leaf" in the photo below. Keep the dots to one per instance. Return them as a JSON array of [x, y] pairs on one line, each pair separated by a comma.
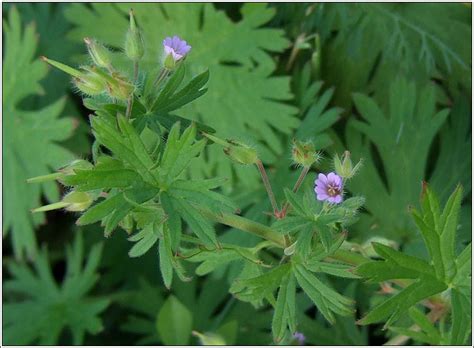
[[31, 143]]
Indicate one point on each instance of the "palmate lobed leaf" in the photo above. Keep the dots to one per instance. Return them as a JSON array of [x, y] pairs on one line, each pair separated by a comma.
[[225, 106], [411, 121], [444, 270], [31, 137], [48, 308]]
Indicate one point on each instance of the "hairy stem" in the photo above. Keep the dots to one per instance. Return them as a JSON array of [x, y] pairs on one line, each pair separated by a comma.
[[130, 99], [268, 187], [298, 183], [246, 225]]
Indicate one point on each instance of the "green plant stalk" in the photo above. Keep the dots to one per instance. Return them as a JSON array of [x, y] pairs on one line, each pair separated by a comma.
[[246, 225], [268, 187], [298, 183], [130, 99]]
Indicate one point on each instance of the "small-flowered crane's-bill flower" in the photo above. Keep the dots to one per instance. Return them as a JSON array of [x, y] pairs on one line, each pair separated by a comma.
[[329, 188], [175, 49], [299, 337]]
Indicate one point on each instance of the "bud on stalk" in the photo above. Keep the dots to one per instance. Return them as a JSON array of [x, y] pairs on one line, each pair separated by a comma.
[[134, 45], [99, 53]]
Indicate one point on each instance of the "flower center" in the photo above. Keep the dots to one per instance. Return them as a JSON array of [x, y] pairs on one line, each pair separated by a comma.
[[333, 190]]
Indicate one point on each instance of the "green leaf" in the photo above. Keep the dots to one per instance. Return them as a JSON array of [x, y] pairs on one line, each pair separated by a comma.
[[425, 324], [285, 309], [335, 269], [416, 335], [410, 121], [97, 179], [40, 309], [198, 192], [317, 119], [396, 265], [210, 260], [145, 239], [168, 101], [174, 322], [174, 220], [236, 54], [294, 201], [453, 165], [201, 227], [461, 318], [394, 307], [126, 145], [28, 136], [258, 288], [439, 230], [179, 151], [166, 258], [326, 299]]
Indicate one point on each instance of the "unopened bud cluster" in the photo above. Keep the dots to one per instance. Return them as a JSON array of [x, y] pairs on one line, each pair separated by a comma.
[[235, 150], [101, 77], [343, 166], [304, 153]]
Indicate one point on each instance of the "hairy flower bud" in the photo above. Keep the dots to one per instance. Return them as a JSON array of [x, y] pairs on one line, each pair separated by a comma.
[[210, 339], [73, 201], [99, 53], [237, 151], [120, 88], [304, 153], [90, 83], [77, 201], [63, 67], [134, 45], [344, 167]]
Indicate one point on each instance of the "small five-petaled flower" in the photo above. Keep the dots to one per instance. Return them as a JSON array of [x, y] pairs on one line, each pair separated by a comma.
[[177, 47], [329, 188]]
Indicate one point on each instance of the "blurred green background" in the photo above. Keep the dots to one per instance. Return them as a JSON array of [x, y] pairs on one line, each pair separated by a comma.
[[389, 82]]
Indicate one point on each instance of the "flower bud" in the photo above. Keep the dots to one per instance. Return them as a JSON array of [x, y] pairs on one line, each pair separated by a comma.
[[99, 53], [237, 151], [210, 339], [76, 164], [63, 67], [90, 83], [73, 201], [169, 62], [344, 168], [118, 87], [77, 201], [134, 45], [304, 153]]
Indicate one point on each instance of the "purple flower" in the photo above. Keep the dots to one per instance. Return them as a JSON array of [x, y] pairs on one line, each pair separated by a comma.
[[329, 188], [299, 337], [176, 47]]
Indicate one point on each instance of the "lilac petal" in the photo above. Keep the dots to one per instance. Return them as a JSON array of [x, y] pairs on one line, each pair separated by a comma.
[[320, 183], [320, 191], [167, 41], [336, 199], [322, 197], [175, 41], [323, 178], [332, 177]]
